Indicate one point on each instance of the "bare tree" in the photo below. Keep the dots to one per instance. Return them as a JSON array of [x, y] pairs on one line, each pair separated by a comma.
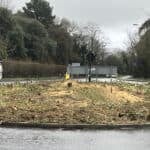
[[89, 36], [132, 42], [70, 27], [95, 41]]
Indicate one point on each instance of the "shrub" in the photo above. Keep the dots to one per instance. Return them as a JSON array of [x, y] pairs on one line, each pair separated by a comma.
[[30, 69]]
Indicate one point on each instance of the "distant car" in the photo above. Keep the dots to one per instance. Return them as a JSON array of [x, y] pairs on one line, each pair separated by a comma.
[[1, 70]]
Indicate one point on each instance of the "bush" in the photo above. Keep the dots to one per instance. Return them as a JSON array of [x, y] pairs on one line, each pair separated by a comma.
[[19, 69]]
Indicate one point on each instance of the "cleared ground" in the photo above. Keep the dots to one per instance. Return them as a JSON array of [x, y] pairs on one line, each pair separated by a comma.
[[83, 103]]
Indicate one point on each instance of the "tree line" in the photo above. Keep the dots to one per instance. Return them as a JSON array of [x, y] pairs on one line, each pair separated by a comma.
[[137, 55], [36, 34]]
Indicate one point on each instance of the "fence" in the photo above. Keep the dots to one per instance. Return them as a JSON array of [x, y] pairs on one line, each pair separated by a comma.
[[95, 70]]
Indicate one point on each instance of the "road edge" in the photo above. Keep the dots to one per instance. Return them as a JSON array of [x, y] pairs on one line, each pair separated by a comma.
[[74, 126]]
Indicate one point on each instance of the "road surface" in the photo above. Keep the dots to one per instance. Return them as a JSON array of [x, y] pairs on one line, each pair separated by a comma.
[[28, 139], [107, 80]]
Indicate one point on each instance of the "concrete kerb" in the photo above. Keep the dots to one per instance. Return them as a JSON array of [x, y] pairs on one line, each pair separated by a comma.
[[74, 127]]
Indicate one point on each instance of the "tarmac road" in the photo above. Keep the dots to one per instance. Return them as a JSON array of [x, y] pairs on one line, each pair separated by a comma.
[[29, 139], [124, 79]]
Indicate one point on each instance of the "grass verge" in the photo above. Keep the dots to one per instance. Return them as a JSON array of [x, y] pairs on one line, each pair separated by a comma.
[[83, 103]]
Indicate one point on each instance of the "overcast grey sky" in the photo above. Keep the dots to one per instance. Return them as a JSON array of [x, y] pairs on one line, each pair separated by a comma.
[[115, 17]]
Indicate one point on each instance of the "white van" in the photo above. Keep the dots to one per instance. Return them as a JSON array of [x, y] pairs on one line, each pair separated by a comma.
[[1, 71]]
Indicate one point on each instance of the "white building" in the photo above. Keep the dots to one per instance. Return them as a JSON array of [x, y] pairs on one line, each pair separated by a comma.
[[1, 71]]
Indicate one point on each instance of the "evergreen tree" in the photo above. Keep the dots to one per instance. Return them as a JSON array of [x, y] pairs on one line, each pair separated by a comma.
[[40, 10]]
